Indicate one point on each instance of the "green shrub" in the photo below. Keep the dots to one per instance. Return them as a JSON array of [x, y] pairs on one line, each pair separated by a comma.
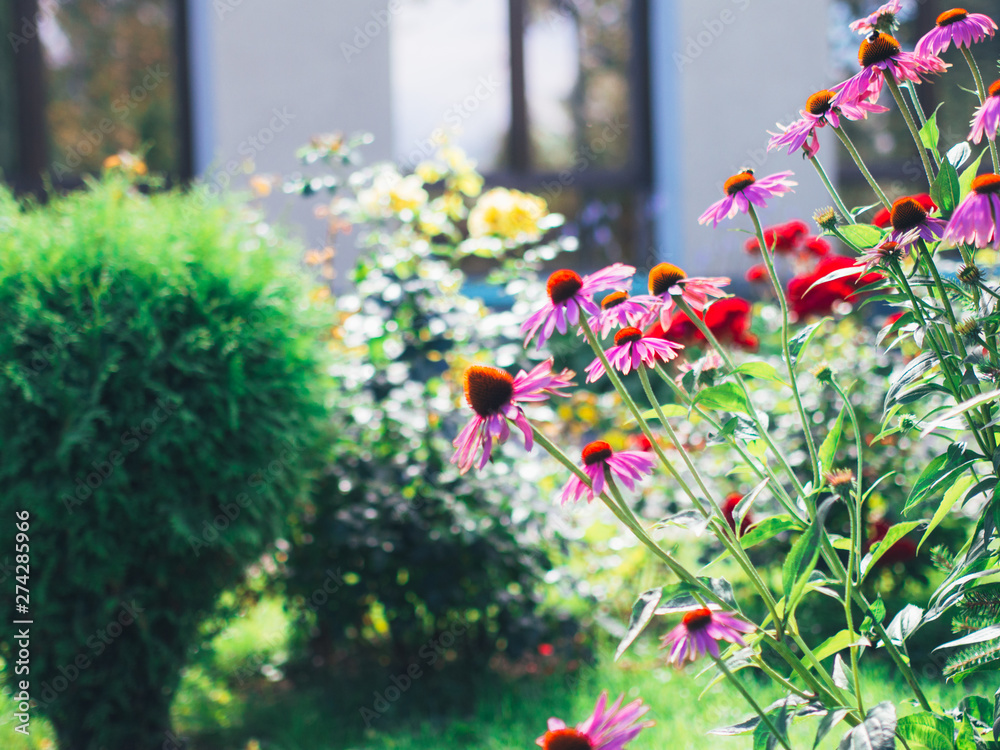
[[159, 389]]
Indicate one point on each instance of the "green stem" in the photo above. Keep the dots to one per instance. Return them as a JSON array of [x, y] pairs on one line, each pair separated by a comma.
[[967, 53], [632, 407], [905, 111], [762, 666], [685, 308], [832, 190], [785, 347], [849, 145], [753, 703], [855, 513], [921, 117]]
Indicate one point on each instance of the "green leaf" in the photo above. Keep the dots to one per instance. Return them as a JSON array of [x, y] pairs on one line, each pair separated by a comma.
[[969, 174], [760, 371], [946, 190], [678, 597], [904, 624], [861, 236], [878, 732], [840, 641], [927, 730], [723, 397], [828, 449], [738, 428], [799, 341], [929, 132], [959, 154], [939, 470], [642, 612], [954, 493], [670, 411], [893, 535], [972, 403], [802, 559], [986, 634], [763, 530], [831, 720]]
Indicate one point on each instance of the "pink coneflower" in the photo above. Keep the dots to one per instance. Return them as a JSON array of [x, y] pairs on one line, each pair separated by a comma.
[[956, 25], [606, 729], [628, 467], [631, 350], [700, 631], [568, 294], [884, 255], [743, 189], [618, 310], [987, 117], [884, 19], [910, 222], [667, 281], [881, 55], [818, 112], [975, 219], [495, 397]]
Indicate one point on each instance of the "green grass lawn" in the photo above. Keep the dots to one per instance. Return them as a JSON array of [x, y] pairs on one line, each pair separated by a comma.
[[451, 707]]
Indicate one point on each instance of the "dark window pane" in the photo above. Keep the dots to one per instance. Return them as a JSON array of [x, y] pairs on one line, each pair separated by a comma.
[[111, 74], [577, 57]]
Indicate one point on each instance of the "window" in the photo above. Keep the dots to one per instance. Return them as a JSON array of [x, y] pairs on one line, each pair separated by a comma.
[[81, 80], [547, 95]]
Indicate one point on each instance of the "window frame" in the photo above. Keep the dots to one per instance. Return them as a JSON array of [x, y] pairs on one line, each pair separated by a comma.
[[31, 97]]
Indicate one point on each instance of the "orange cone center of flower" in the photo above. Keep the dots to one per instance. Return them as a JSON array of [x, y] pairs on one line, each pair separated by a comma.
[[563, 285], [613, 300], [663, 276], [487, 389], [952, 16], [906, 213], [565, 739], [889, 250], [596, 452], [738, 182], [627, 335], [819, 103], [995, 88], [986, 183], [877, 48], [697, 619]]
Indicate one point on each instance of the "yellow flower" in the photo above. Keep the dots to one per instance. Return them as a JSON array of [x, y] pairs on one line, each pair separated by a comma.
[[509, 214], [126, 162], [429, 171], [467, 183], [407, 193]]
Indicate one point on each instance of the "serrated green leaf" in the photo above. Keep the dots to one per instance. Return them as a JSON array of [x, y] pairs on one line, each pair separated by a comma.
[[829, 721], [642, 612], [760, 371], [763, 530], [953, 494], [893, 535], [946, 190], [802, 559], [800, 339], [927, 730], [842, 640], [942, 468], [929, 132], [861, 236], [878, 732]]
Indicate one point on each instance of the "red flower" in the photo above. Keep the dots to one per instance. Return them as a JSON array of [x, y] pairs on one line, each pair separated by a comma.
[[883, 218], [757, 273], [728, 506], [728, 319], [819, 300], [902, 551], [817, 246], [784, 238]]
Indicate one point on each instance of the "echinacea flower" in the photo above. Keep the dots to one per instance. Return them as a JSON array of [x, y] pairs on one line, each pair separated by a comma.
[[700, 631], [910, 222], [568, 295], [598, 459], [667, 281], [631, 350], [741, 190], [820, 109], [606, 729], [885, 254], [987, 117], [880, 55], [974, 221], [618, 310], [883, 19], [495, 396], [883, 217], [956, 25]]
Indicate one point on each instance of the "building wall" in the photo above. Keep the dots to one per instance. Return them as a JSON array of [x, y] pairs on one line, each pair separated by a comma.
[[269, 75], [724, 72]]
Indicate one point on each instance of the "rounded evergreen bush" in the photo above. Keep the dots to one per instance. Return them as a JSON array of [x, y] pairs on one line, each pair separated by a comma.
[[160, 393]]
